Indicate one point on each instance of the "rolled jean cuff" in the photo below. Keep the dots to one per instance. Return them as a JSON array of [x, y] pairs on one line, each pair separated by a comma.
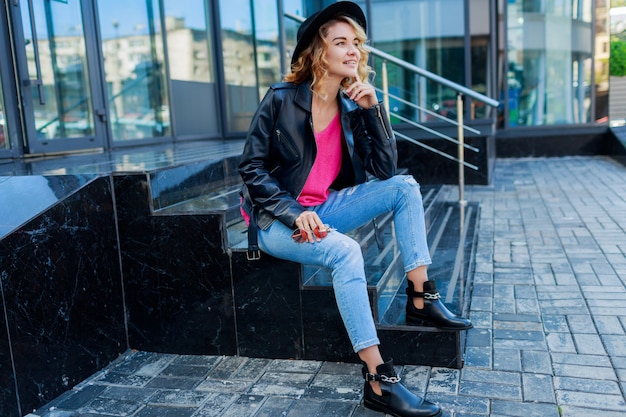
[[417, 264], [368, 343]]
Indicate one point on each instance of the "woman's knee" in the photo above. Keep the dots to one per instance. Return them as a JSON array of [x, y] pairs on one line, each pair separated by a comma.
[[346, 252], [407, 185]]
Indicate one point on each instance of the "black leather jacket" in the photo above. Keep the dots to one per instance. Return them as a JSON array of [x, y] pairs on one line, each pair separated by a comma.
[[280, 151]]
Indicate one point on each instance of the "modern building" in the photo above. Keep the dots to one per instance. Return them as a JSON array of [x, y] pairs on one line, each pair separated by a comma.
[[77, 76]]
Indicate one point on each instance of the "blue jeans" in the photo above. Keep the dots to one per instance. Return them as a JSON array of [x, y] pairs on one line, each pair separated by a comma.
[[345, 210]]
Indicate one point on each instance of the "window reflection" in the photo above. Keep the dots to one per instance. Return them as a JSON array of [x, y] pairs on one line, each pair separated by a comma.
[[191, 67], [429, 34], [251, 57], [132, 46], [62, 107], [549, 79]]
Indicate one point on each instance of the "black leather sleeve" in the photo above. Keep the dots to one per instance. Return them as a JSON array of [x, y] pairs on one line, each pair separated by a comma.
[[256, 163], [375, 142]]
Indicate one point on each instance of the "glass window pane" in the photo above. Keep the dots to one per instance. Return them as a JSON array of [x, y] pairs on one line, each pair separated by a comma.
[[429, 34], [549, 55], [242, 96], [191, 66], [132, 46], [63, 109], [267, 51]]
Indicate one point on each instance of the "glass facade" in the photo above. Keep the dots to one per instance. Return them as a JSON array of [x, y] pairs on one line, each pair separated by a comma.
[[550, 55], [134, 67], [56, 57], [139, 71]]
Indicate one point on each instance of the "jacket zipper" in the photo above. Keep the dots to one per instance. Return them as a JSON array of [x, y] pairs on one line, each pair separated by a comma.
[[286, 144], [380, 117]]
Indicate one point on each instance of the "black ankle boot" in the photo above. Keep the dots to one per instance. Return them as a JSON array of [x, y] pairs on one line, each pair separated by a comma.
[[395, 400], [434, 313]]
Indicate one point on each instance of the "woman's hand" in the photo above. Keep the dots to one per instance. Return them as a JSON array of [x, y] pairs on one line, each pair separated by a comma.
[[307, 221], [364, 94]]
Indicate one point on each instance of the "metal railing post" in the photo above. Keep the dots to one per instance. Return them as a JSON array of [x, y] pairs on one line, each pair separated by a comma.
[[461, 139], [385, 88]]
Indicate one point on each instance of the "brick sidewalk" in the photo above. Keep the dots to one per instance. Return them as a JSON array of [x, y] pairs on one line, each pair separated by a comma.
[[548, 305]]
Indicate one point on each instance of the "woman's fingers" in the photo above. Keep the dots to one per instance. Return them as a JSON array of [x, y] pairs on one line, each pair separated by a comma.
[[364, 94], [307, 222]]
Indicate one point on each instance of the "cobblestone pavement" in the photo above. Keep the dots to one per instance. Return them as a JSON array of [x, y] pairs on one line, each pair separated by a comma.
[[548, 305]]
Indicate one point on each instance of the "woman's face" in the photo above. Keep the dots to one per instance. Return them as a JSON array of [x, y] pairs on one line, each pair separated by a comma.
[[342, 54]]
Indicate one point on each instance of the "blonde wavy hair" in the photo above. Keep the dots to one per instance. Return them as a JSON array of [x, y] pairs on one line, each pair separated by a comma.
[[312, 64]]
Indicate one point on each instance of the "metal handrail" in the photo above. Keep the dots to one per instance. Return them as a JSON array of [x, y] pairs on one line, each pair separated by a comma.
[[461, 91]]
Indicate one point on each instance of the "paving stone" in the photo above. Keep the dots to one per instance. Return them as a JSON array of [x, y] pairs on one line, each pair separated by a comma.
[[226, 367], [579, 371], [124, 379], [136, 360], [244, 406], [526, 409], [536, 336], [111, 406], [156, 411], [507, 360], [179, 398], [504, 317], [592, 400], [288, 384], [335, 408], [569, 411], [536, 361], [581, 323], [560, 342], [305, 408], [176, 369], [586, 385], [128, 393], [481, 319], [502, 377], [216, 403], [251, 369], [416, 377], [615, 344], [444, 380], [154, 366], [491, 390], [273, 407], [518, 326], [77, 399], [479, 357], [576, 359], [588, 344], [538, 388], [457, 404], [335, 387], [174, 382], [479, 338], [224, 385], [296, 366], [340, 368]]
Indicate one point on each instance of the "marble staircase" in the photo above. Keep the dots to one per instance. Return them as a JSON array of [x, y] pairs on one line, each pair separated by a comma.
[[146, 250], [286, 310]]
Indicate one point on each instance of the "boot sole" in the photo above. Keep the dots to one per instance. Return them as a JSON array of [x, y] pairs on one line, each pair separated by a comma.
[[424, 322], [376, 407]]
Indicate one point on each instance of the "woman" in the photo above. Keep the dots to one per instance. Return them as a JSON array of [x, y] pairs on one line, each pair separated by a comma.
[[304, 167]]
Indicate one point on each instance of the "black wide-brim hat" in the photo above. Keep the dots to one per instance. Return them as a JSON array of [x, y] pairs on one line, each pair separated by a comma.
[[309, 28]]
